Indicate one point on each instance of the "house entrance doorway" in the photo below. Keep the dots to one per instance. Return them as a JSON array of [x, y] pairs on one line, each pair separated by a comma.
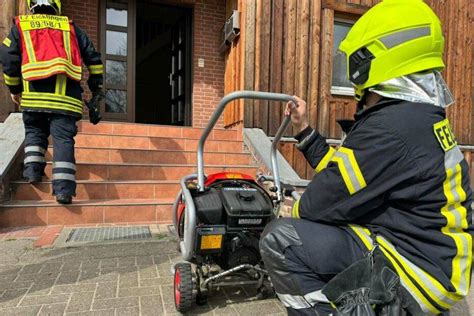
[[148, 62]]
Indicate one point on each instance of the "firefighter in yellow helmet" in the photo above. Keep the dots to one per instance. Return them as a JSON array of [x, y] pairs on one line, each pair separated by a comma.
[[42, 63], [386, 223]]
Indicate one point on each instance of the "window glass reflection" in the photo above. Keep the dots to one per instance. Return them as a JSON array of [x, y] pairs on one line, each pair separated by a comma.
[[116, 72], [116, 101], [116, 43], [117, 17], [339, 70]]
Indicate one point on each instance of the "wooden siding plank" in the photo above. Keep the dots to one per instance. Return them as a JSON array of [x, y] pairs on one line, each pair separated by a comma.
[[262, 60], [289, 45], [249, 60], [313, 80], [276, 70]]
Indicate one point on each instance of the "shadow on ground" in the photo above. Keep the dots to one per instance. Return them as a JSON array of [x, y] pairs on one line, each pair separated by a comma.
[[108, 279]]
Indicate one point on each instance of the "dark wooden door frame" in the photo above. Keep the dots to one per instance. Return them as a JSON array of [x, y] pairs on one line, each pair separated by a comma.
[[131, 57]]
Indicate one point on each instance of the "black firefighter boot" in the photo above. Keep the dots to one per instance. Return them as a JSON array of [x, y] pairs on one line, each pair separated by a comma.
[[64, 198]]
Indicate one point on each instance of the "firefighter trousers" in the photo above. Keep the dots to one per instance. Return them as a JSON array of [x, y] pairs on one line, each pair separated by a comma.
[[301, 257], [62, 128]]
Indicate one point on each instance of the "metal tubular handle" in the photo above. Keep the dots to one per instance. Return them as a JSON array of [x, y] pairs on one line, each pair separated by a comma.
[[255, 95]]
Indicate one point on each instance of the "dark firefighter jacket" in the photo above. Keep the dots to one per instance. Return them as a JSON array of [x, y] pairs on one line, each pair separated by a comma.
[[400, 176], [57, 93]]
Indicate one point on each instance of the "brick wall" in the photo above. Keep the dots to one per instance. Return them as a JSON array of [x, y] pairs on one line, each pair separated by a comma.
[[208, 81], [208, 87]]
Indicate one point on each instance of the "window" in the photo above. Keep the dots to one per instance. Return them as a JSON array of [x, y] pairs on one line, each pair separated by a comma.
[[117, 58], [340, 84]]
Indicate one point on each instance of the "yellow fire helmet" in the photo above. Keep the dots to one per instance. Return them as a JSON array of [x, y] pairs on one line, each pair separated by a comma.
[[34, 4], [393, 39]]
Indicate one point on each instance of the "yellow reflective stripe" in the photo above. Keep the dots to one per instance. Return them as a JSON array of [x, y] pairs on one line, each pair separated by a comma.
[[364, 235], [11, 81], [295, 212], [29, 47], [52, 62], [96, 69], [49, 105], [430, 285], [7, 42], [51, 71], [350, 171], [26, 86], [61, 82], [408, 284], [456, 222], [67, 44], [53, 97], [325, 161]]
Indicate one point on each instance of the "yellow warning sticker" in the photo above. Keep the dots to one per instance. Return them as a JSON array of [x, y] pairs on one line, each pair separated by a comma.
[[42, 21], [211, 242], [444, 135]]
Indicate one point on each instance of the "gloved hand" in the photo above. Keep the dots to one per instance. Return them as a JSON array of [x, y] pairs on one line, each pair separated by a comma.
[[94, 107]]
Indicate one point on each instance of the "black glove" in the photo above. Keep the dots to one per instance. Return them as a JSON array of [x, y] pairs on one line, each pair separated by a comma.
[[94, 107]]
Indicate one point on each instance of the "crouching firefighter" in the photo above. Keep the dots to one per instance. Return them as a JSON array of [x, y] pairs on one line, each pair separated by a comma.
[[385, 225], [42, 63]]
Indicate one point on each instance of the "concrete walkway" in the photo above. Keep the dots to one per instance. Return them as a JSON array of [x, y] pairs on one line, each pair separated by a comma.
[[110, 279]]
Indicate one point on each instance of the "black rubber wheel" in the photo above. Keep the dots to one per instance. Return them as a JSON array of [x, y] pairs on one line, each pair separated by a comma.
[[183, 287], [201, 299]]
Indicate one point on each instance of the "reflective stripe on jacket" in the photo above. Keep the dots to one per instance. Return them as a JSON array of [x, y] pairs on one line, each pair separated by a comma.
[[400, 175], [60, 92], [49, 47]]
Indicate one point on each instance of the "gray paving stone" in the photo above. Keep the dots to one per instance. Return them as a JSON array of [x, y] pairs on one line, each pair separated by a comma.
[[73, 288], [125, 311], [106, 290], [108, 312], [55, 309], [129, 279], [148, 272], [8, 277], [126, 261], [68, 277], [21, 311], [139, 291], [71, 265], [145, 260], [109, 263], [151, 305], [41, 287], [260, 308], [15, 285], [79, 302], [51, 267], [115, 303], [11, 298], [31, 268], [44, 299]]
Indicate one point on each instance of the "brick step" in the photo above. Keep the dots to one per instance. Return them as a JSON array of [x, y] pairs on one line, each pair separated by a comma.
[[129, 129], [154, 143], [99, 190], [28, 213], [132, 172], [142, 156]]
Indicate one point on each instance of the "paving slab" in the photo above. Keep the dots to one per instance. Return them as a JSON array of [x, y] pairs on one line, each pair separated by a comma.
[[114, 279]]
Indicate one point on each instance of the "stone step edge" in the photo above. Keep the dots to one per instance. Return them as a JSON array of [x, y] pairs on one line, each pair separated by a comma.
[[86, 122], [128, 164], [81, 203], [160, 137], [243, 151]]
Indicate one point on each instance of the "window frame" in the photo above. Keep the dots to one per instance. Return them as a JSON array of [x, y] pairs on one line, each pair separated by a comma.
[[340, 90]]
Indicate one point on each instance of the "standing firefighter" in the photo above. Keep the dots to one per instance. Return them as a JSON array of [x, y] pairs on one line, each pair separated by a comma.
[[386, 222], [42, 63]]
